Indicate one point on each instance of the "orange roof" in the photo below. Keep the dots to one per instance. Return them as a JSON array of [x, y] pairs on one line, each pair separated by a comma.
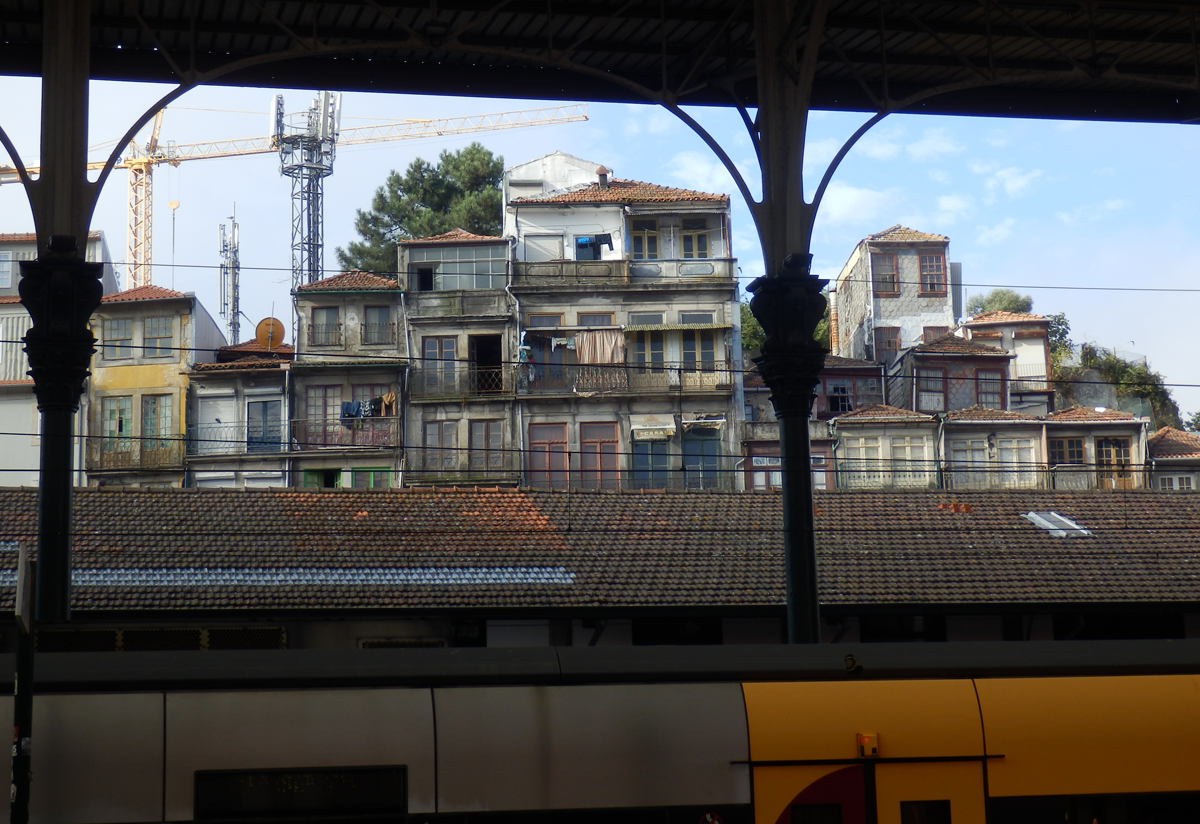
[[10, 298], [882, 410], [148, 292], [983, 413], [453, 236], [240, 363], [623, 191], [30, 237], [1174, 443], [903, 234], [834, 362], [951, 345], [252, 350], [1090, 413], [352, 281], [1000, 316], [28, 382]]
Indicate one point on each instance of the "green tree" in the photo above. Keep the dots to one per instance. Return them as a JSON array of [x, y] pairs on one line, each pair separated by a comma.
[[461, 191], [1192, 424], [999, 300]]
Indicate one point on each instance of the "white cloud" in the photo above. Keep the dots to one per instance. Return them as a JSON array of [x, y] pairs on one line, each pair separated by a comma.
[[997, 138], [938, 176], [983, 167], [696, 170], [1093, 211], [1013, 180], [846, 204], [932, 145], [952, 207], [818, 153], [878, 147], [652, 120], [989, 236]]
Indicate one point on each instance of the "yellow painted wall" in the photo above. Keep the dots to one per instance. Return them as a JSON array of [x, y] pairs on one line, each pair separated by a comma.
[[960, 783]]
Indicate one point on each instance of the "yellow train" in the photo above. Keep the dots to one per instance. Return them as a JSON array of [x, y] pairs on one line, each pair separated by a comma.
[[1103, 732]]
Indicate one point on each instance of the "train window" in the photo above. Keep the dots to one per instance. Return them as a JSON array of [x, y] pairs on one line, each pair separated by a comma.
[[924, 812], [290, 794], [1139, 808], [816, 814]]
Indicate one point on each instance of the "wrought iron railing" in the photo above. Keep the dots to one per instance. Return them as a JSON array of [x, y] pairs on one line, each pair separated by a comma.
[[980, 475], [378, 334], [325, 334], [235, 438], [326, 433], [134, 453]]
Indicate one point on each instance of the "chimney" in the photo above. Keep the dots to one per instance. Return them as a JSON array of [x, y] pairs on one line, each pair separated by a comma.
[[833, 319], [603, 174]]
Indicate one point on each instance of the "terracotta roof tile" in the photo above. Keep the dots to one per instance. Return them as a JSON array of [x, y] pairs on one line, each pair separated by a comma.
[[834, 362], [1089, 413], [239, 364], [618, 550], [882, 410], [983, 413], [1000, 316], [953, 345], [17, 383], [30, 237], [148, 292], [10, 298], [1174, 443], [353, 281], [254, 349], [623, 191], [903, 234], [453, 236]]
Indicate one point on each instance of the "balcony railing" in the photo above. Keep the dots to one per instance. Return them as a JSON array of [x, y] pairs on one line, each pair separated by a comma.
[[129, 454], [327, 433], [235, 438], [582, 379], [325, 334], [459, 380], [378, 334], [877, 474], [429, 466], [613, 272]]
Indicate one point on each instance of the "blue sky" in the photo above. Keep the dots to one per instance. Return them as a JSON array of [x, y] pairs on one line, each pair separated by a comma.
[[1058, 210]]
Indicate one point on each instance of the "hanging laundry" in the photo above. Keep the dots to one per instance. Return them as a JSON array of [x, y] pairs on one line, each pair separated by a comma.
[[350, 411], [374, 408], [389, 405]]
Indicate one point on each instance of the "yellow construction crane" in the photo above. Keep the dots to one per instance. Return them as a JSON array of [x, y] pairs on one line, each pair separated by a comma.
[[141, 160]]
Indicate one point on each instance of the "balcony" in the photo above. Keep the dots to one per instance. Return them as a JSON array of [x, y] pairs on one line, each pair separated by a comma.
[[235, 439], [378, 334], [116, 454], [346, 433], [584, 379], [877, 474], [455, 467], [325, 334], [456, 380], [621, 272]]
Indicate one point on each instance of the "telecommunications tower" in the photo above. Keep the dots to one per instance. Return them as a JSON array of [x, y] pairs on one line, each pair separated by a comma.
[[230, 280], [306, 143]]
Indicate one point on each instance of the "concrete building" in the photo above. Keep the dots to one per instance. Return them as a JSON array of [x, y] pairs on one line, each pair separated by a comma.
[[1025, 337], [20, 420], [1174, 460], [149, 339]]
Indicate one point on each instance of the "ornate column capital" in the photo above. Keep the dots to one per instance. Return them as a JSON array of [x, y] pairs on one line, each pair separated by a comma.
[[60, 292], [789, 305]]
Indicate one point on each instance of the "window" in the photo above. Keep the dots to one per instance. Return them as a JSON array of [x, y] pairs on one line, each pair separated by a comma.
[[819, 473], [694, 241], [439, 364], [263, 430], [548, 455], [1113, 462], [767, 472], [543, 247], [118, 338], [598, 459], [645, 318], [441, 445], [1016, 458], [487, 446], [544, 321], [326, 329], [648, 351], [1066, 451], [595, 319], [323, 478], [868, 391], [1170, 483], [643, 235], [116, 424], [908, 460], [156, 421], [699, 350], [323, 402], [861, 460], [924, 812], [695, 317], [157, 337], [371, 478], [969, 461], [701, 460], [883, 269], [651, 464], [588, 248], [481, 266], [933, 275], [932, 333], [6, 270], [837, 395], [931, 390], [887, 343], [988, 389], [377, 325]]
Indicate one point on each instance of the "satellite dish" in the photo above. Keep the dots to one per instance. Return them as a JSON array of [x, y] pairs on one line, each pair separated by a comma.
[[269, 333]]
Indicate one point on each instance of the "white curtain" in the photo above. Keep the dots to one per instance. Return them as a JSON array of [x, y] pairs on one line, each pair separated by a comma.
[[600, 346]]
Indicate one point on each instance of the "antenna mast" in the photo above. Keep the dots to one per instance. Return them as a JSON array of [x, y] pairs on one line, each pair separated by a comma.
[[231, 269], [306, 145]]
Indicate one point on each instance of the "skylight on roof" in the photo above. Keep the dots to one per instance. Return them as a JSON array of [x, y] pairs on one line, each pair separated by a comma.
[[1057, 525]]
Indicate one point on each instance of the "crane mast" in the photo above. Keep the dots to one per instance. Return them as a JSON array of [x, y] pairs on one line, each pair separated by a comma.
[[231, 270]]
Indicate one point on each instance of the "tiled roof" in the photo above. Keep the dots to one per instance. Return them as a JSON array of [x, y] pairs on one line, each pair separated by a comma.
[[1089, 413], [903, 234], [353, 281], [881, 410], [27, 382], [252, 348], [953, 345], [444, 549], [1174, 443], [1000, 316], [623, 191], [834, 362], [453, 236], [983, 413], [30, 237], [239, 364], [148, 292], [10, 298]]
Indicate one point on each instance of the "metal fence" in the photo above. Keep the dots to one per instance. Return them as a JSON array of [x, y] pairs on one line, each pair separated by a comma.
[[235, 438], [324, 433], [131, 453], [879, 474]]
